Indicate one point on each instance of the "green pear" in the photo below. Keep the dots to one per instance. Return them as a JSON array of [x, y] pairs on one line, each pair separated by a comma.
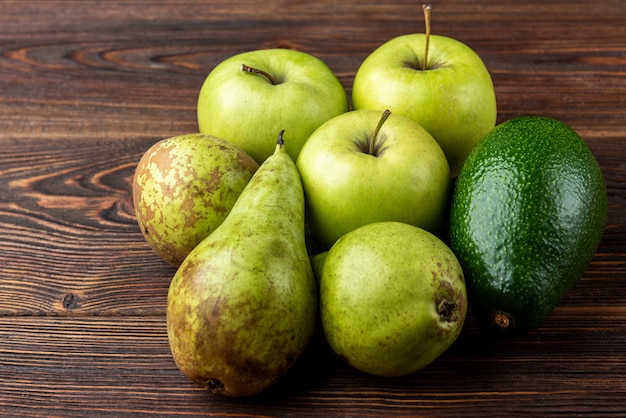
[[392, 298], [317, 263], [184, 187], [242, 307]]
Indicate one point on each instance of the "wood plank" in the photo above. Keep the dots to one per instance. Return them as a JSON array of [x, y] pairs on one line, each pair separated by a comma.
[[121, 366]]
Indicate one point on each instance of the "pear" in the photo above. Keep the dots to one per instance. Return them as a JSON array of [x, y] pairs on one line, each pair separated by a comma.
[[184, 187], [392, 298], [242, 306], [317, 263]]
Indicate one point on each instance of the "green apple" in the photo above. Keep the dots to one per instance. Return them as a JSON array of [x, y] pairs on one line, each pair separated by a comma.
[[392, 298], [369, 166], [249, 97], [444, 87]]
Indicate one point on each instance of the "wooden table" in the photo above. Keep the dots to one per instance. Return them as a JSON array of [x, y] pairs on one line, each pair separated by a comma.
[[86, 87]]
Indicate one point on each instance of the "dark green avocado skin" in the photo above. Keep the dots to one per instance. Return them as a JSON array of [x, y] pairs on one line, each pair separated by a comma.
[[528, 212]]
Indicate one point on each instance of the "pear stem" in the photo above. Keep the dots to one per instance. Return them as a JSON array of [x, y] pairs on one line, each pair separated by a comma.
[[253, 70], [427, 9], [382, 120], [279, 142]]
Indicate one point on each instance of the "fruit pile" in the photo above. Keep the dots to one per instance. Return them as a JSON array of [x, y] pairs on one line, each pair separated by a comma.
[[290, 207]]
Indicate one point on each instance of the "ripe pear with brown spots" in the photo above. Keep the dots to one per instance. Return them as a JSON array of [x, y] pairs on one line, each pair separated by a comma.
[[184, 187], [242, 307]]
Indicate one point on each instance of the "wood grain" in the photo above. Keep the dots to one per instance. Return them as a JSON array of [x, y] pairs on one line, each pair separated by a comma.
[[87, 87]]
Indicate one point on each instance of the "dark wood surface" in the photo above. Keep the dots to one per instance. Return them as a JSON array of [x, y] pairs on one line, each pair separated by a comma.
[[87, 86]]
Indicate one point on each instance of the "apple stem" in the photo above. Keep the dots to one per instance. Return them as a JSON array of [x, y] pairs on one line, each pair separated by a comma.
[[427, 9], [253, 70], [382, 120]]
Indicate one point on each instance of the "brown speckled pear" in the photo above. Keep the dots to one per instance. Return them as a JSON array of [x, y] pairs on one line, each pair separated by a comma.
[[184, 187], [242, 307]]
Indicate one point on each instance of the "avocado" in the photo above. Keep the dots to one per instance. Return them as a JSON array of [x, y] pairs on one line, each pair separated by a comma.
[[528, 211]]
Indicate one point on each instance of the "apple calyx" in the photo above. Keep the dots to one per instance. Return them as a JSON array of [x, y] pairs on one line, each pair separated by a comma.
[[427, 9], [374, 144], [252, 70]]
